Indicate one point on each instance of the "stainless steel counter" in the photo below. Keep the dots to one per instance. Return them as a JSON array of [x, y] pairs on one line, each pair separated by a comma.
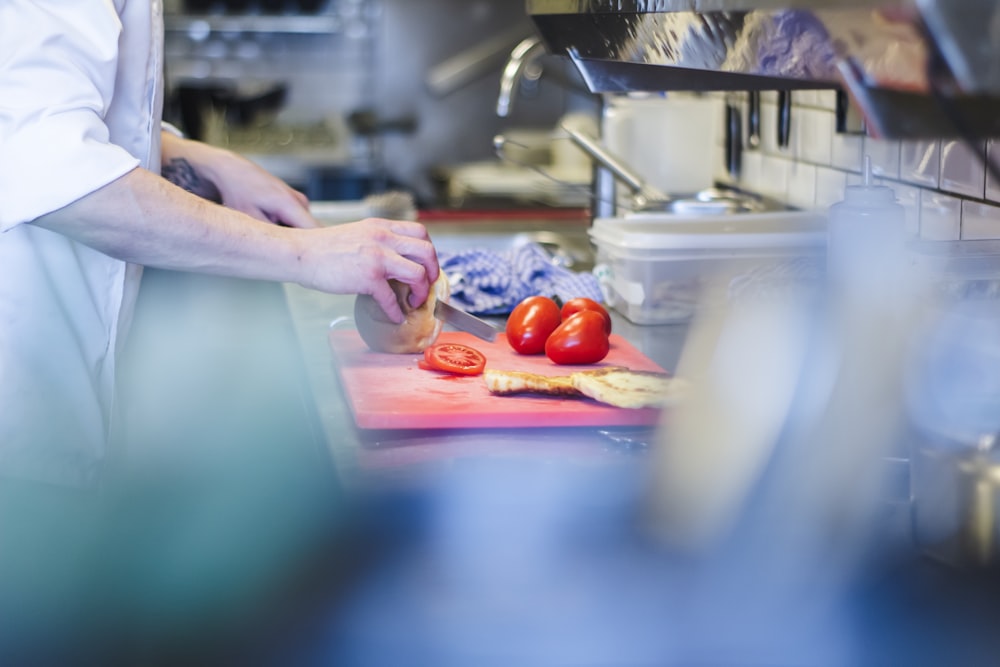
[[527, 545]]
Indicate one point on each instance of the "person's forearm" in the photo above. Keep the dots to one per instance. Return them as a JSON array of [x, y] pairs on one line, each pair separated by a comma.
[[225, 177], [179, 171], [184, 163], [142, 218]]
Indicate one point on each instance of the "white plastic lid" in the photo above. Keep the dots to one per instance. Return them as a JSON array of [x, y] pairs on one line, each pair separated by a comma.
[[741, 231]]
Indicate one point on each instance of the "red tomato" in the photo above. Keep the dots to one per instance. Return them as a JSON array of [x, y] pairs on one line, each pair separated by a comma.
[[574, 306], [531, 322], [581, 339], [455, 358]]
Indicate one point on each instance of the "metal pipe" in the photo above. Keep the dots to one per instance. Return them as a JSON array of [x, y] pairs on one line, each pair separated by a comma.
[[520, 65], [644, 192]]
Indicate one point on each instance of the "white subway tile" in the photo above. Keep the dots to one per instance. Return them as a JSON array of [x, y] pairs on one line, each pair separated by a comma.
[[830, 184], [992, 184], [908, 197], [813, 129], [774, 176], [750, 174], [802, 185], [826, 99], [805, 98], [885, 156], [846, 151], [920, 162], [940, 216], [980, 221], [721, 172], [720, 137], [962, 169]]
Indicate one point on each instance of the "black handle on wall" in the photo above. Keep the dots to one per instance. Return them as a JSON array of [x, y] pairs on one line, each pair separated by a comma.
[[784, 117], [734, 140], [753, 119]]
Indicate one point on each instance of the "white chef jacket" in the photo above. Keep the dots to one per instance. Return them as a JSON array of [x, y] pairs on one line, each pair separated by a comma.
[[80, 105]]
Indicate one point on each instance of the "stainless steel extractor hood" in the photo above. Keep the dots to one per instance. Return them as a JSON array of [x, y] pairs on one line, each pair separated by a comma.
[[924, 69]]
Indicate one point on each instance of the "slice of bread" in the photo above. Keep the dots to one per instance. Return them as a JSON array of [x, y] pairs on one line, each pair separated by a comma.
[[614, 385], [505, 383], [626, 388]]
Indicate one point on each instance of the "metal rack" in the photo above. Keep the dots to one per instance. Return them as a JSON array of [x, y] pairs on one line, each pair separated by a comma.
[[299, 24]]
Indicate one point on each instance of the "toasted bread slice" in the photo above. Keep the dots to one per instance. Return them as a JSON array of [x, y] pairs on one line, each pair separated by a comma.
[[626, 388], [521, 382], [613, 385]]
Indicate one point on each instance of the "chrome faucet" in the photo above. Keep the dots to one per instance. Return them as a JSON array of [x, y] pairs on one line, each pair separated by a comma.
[[522, 65]]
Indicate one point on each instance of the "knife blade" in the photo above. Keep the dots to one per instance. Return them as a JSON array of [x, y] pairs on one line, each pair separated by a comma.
[[463, 321]]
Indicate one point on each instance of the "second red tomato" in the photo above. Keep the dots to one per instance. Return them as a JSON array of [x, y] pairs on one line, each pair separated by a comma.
[[531, 322], [574, 306], [581, 339]]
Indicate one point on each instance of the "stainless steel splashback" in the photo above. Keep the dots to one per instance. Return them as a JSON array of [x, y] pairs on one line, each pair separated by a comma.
[[929, 69]]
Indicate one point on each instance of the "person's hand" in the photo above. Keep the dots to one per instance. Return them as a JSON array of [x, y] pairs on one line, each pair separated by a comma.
[[361, 257], [234, 181], [247, 187]]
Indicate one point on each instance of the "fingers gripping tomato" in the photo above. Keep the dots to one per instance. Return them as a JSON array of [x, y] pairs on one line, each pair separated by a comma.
[[574, 306], [455, 358], [530, 324], [581, 339]]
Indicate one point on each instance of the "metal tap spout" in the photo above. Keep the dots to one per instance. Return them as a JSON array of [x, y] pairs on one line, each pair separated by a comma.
[[521, 65]]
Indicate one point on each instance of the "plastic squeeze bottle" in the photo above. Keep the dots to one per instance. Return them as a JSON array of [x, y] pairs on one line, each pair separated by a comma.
[[866, 236]]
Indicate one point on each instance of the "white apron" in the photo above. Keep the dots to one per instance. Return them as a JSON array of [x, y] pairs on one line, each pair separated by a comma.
[[80, 105]]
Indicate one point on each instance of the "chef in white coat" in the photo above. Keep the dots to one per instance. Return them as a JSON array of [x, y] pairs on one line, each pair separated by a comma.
[[83, 206]]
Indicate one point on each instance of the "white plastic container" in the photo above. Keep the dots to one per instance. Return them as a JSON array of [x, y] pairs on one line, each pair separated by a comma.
[[655, 270], [668, 140]]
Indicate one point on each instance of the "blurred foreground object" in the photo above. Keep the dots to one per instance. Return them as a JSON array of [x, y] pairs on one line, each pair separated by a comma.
[[776, 462], [955, 400]]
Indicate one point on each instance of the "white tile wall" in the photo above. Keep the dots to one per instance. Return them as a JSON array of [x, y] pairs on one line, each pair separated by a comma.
[[813, 130], [885, 156], [980, 221], [909, 198], [774, 175], [846, 151], [802, 185], [942, 186], [830, 184], [992, 185], [962, 170], [827, 99], [806, 98], [751, 174], [920, 162], [940, 216]]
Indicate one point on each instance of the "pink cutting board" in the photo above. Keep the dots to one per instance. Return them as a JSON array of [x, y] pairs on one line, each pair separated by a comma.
[[389, 391]]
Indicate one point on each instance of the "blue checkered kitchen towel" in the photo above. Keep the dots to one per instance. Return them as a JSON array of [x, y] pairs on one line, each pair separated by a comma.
[[485, 282]]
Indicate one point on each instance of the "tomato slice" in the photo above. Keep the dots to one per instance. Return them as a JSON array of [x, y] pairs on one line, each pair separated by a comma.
[[455, 358]]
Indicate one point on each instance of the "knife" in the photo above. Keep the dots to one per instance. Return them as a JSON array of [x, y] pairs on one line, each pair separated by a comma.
[[462, 321]]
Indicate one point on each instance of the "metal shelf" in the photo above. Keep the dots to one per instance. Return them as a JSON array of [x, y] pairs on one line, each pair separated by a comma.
[[191, 24]]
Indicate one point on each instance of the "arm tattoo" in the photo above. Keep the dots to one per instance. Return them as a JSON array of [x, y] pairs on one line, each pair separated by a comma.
[[180, 172]]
